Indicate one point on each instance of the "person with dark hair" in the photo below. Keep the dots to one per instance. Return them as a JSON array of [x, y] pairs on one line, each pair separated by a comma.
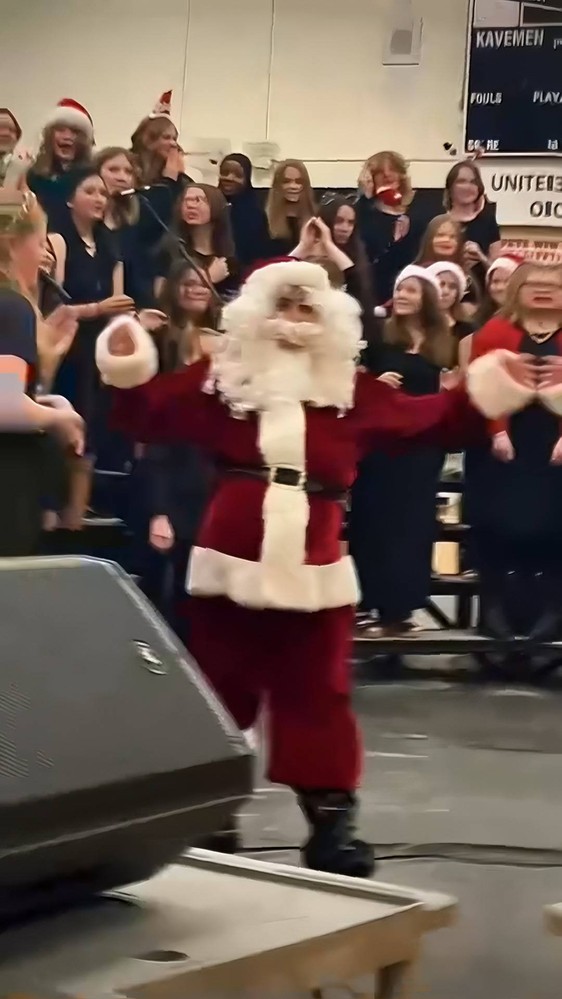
[[453, 286], [465, 201], [393, 508], [340, 215], [174, 479], [290, 205], [247, 217], [66, 144], [92, 275], [201, 224]]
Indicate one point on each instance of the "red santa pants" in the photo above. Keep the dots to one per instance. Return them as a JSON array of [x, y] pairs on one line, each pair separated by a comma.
[[296, 666]]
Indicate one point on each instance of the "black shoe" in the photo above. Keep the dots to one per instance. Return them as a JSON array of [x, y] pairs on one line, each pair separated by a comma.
[[332, 846], [227, 840]]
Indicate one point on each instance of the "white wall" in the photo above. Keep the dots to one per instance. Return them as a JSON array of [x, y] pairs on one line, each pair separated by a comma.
[[306, 74]]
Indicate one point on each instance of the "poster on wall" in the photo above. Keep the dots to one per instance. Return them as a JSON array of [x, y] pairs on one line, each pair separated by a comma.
[[513, 99], [525, 193], [544, 246]]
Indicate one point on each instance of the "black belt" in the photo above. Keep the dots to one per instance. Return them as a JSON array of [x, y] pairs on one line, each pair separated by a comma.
[[288, 477]]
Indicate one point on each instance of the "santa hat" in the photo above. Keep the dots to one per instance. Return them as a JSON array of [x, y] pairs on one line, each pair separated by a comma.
[[507, 262], [163, 107], [69, 112], [421, 273], [266, 281], [448, 267], [16, 124]]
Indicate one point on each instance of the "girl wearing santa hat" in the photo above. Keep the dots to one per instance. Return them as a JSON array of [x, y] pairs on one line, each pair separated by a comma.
[[497, 279], [66, 143], [392, 524], [160, 163], [516, 481], [453, 285]]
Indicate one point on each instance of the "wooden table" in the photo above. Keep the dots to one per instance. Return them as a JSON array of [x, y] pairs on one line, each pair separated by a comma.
[[218, 927]]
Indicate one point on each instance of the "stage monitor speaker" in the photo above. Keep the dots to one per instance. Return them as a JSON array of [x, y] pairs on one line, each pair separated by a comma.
[[115, 755]]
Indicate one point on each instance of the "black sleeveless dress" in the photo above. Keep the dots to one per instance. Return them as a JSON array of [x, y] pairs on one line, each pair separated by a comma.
[[87, 278], [393, 512]]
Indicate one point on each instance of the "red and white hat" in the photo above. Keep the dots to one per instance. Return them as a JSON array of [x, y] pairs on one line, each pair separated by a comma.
[[69, 112], [507, 262], [163, 107], [421, 273], [448, 267]]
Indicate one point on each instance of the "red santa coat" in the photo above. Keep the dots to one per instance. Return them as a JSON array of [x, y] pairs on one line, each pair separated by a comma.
[[264, 545]]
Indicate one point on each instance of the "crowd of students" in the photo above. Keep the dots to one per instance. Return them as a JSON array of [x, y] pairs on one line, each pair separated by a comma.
[[125, 229]]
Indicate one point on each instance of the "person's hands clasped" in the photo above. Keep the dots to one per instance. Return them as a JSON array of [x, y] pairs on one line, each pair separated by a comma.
[[391, 378], [522, 369], [549, 373]]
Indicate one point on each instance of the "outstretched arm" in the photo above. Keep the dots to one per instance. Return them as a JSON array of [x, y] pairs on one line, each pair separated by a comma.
[[150, 407], [388, 419]]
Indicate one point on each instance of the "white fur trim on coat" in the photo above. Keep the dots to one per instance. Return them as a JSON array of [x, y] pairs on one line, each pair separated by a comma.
[[551, 398], [137, 368], [492, 390], [286, 510], [251, 584]]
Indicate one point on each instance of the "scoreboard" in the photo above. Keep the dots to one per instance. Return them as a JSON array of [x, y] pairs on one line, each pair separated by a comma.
[[513, 100]]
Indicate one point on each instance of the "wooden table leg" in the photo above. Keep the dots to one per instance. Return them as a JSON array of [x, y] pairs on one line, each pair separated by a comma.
[[395, 982]]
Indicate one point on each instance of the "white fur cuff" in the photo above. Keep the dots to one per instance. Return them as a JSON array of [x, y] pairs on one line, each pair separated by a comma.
[[551, 398], [492, 390], [137, 368]]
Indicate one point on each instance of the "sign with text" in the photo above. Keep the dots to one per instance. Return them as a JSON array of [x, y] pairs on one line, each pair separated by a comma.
[[513, 101], [533, 244], [525, 194]]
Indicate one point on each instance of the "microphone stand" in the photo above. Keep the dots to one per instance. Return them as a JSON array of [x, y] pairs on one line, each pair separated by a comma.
[[180, 246]]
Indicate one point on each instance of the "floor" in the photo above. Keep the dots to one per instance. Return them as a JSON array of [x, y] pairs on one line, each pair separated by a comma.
[[462, 794]]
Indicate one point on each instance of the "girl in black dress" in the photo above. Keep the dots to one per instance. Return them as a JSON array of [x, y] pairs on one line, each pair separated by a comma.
[[384, 212], [393, 510], [136, 232], [465, 201], [516, 482], [27, 450], [290, 205], [340, 215], [453, 286], [202, 224], [159, 161], [175, 479], [90, 272], [66, 144], [247, 217]]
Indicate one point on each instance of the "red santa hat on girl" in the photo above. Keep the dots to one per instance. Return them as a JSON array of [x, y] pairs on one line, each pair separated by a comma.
[[69, 112], [163, 106], [507, 262], [411, 271], [448, 267]]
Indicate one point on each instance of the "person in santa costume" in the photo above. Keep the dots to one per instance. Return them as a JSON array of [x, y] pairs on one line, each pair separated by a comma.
[[515, 482], [287, 415]]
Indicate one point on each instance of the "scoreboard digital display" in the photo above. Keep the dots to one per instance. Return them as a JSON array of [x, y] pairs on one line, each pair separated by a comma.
[[513, 101]]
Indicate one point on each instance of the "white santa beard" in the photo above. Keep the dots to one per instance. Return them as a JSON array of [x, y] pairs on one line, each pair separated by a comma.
[[265, 375]]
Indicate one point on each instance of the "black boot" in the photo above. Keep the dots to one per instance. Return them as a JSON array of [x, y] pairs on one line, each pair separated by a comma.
[[226, 840], [332, 845]]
